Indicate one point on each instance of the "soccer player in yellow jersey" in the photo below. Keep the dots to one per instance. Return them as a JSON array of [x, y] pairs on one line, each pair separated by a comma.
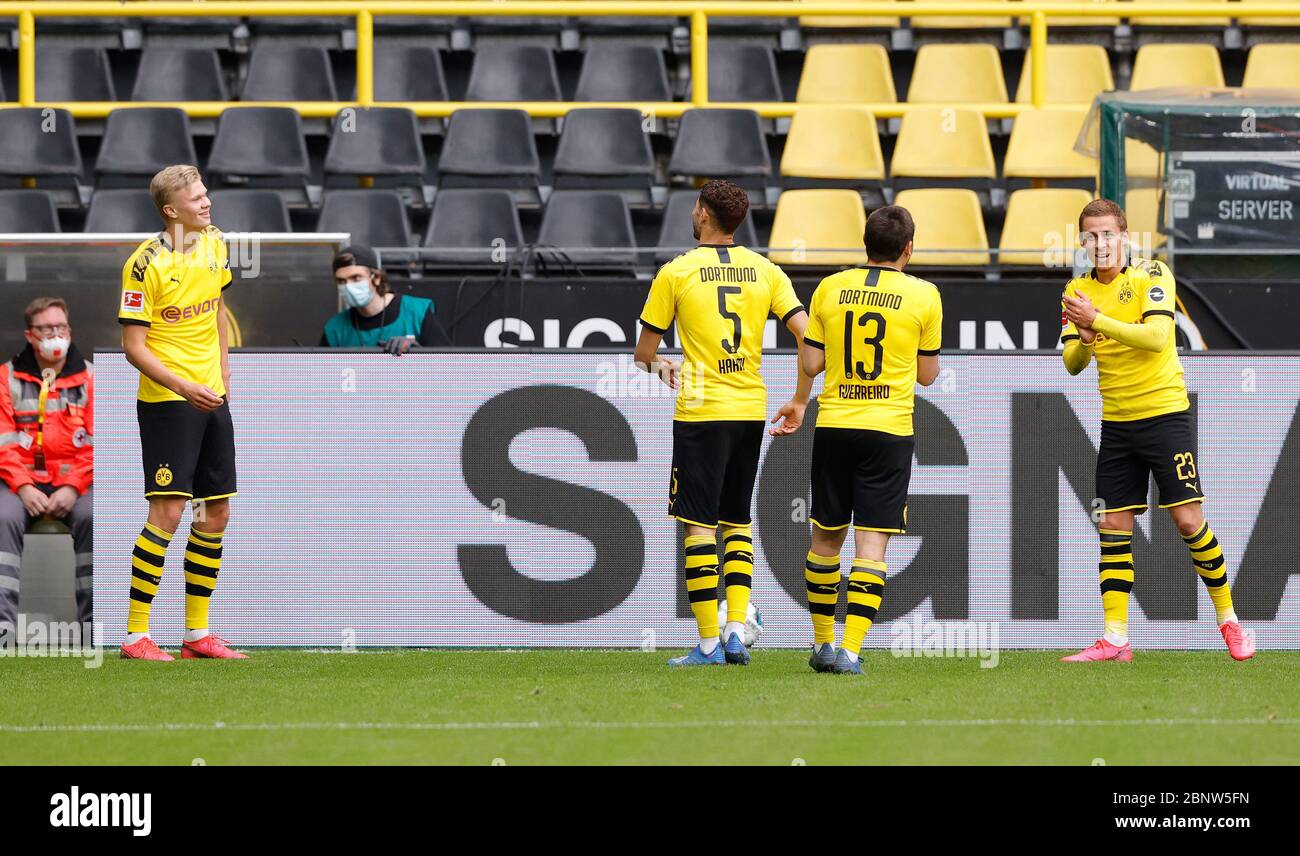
[[720, 296], [173, 330], [875, 331], [1122, 312]]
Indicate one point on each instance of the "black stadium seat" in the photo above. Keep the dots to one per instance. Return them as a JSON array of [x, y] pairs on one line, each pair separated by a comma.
[[122, 211], [676, 235], [623, 72], [739, 71], [465, 223], [604, 147], [506, 72], [190, 32], [35, 143], [179, 74], [139, 141], [66, 73], [592, 227], [262, 143], [720, 143], [27, 211], [373, 217], [489, 148], [249, 211], [409, 73], [279, 72], [375, 141]]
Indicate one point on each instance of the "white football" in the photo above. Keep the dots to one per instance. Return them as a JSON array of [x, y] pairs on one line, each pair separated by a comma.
[[753, 623]]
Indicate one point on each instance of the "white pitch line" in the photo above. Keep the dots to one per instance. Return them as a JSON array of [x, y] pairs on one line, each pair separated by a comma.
[[633, 726]]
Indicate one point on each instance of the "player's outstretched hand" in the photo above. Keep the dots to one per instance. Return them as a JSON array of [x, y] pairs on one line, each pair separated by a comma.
[[201, 397], [669, 371], [792, 414]]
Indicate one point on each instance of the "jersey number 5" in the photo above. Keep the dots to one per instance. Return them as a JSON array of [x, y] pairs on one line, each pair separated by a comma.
[[723, 290], [875, 341]]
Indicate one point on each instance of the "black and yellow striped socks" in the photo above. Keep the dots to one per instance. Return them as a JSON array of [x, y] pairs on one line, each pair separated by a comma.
[[1207, 556], [866, 588], [146, 573], [1116, 571], [702, 583], [821, 576], [202, 563], [737, 570]]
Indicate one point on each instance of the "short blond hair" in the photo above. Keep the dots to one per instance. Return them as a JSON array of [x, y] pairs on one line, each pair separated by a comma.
[[1104, 208], [168, 181]]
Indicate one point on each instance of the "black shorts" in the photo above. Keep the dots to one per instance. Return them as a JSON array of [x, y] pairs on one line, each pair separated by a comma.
[[185, 451], [714, 467], [860, 477], [1131, 452]]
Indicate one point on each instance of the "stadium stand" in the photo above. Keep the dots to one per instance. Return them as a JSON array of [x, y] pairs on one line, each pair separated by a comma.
[[466, 226], [28, 211], [944, 63], [818, 227], [251, 210], [591, 228], [376, 218], [949, 227], [122, 210], [1041, 219]]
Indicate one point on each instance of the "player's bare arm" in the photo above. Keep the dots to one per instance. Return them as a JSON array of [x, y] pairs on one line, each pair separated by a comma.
[[647, 358], [927, 368], [135, 343], [790, 416]]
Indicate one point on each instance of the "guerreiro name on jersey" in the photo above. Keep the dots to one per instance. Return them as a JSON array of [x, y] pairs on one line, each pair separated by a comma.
[[872, 322]]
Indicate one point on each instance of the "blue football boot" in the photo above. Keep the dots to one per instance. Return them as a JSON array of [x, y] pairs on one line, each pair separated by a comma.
[[845, 666], [698, 658], [823, 657], [735, 651]]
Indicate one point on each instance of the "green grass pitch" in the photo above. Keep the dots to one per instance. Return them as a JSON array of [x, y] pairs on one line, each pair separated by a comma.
[[611, 707]]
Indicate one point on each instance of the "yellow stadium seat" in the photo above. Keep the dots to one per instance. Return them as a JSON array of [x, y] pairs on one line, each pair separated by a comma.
[[818, 227], [1182, 22], [857, 22], [1073, 20], [833, 143], [1042, 145], [1142, 210], [1267, 21], [1075, 73], [957, 74], [1160, 65], [943, 142], [954, 22], [1045, 222], [1140, 160], [846, 74], [1273, 66], [946, 219]]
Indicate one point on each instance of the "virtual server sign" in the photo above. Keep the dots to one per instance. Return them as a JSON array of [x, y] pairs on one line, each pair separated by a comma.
[[516, 499]]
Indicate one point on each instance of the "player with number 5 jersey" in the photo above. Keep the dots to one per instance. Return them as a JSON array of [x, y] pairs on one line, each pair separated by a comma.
[[720, 296]]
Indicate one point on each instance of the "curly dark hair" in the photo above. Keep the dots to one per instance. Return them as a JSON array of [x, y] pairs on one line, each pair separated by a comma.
[[727, 203]]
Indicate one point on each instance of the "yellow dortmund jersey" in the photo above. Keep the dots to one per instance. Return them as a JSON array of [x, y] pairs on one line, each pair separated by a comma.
[[720, 296], [872, 322], [1135, 384], [176, 296]]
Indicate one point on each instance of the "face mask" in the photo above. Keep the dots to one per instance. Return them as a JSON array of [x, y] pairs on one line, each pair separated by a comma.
[[54, 348], [356, 294]]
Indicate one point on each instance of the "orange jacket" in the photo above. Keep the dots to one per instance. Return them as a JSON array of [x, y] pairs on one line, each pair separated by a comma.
[[66, 438]]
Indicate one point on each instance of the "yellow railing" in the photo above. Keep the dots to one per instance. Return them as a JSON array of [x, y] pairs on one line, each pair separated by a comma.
[[698, 11]]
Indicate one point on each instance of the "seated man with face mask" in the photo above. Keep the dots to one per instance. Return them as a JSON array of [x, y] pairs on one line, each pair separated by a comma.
[[376, 316], [47, 457]]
